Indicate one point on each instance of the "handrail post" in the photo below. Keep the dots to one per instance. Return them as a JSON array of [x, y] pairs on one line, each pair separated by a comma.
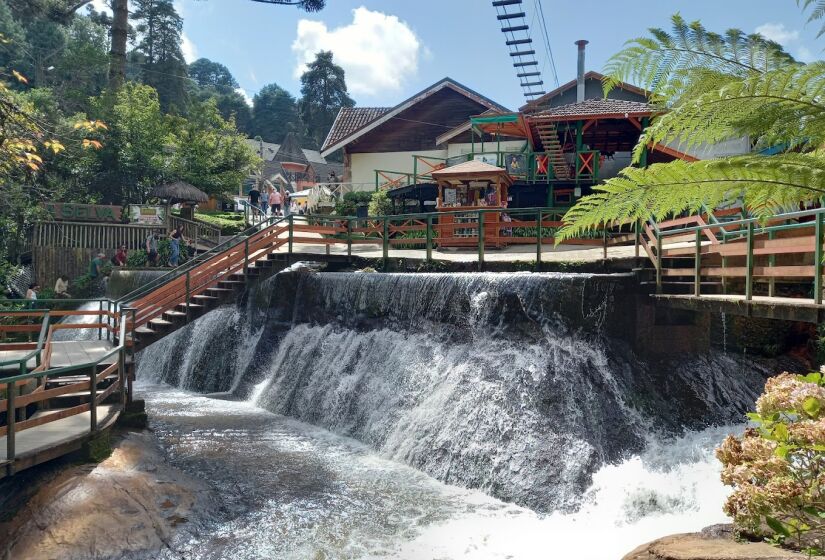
[[11, 417], [749, 264], [245, 258], [771, 264], [818, 260], [188, 297], [134, 343], [538, 240], [429, 238], [638, 237], [93, 397], [385, 246], [659, 263], [349, 239], [697, 273], [99, 317], [480, 240], [290, 232]]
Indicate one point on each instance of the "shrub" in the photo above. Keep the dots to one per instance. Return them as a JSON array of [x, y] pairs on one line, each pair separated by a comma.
[[140, 259], [348, 206], [380, 204], [777, 467]]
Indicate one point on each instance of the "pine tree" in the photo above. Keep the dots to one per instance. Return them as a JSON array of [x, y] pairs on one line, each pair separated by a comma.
[[274, 113], [163, 65], [323, 93]]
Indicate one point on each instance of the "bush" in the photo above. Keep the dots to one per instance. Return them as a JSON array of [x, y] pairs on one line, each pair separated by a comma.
[[230, 223], [350, 202], [380, 204], [776, 468], [140, 259]]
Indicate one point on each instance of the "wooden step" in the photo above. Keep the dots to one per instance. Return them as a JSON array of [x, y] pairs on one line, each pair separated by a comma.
[[157, 324], [204, 299], [174, 316], [193, 308], [144, 331]]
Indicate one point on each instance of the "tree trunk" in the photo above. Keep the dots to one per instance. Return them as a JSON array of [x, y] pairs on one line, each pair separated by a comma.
[[117, 55]]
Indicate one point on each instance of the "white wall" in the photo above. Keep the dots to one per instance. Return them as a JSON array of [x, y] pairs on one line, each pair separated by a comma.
[[726, 148], [506, 146], [363, 166]]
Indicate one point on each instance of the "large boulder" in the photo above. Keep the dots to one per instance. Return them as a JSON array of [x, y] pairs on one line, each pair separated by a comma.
[[714, 543]]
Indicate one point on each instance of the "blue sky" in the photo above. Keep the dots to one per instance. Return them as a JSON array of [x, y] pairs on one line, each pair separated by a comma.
[[393, 48]]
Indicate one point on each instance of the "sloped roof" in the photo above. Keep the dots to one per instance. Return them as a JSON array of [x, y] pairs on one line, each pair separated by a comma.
[[469, 167], [313, 156], [345, 129], [591, 75], [606, 108], [180, 191], [270, 150], [349, 120]]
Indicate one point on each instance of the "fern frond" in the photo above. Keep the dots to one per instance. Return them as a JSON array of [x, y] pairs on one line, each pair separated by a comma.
[[654, 62], [783, 107], [817, 13], [765, 185]]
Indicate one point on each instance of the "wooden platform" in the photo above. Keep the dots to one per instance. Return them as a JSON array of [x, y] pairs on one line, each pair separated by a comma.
[[68, 353]]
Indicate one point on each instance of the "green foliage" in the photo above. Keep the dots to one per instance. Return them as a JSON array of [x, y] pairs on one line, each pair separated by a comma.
[[323, 93], [817, 13], [715, 87], [210, 74], [140, 259], [348, 206], [380, 204], [230, 223], [275, 113], [775, 468]]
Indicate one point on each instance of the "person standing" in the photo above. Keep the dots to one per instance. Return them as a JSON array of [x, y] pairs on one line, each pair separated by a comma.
[[151, 247], [31, 293], [174, 245], [96, 266], [61, 287], [275, 202], [286, 205], [254, 200], [120, 257]]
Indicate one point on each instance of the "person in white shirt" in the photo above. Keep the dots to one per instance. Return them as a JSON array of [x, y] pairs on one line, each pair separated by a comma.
[[61, 287]]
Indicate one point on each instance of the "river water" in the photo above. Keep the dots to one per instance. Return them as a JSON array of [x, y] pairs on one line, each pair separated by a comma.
[[288, 490]]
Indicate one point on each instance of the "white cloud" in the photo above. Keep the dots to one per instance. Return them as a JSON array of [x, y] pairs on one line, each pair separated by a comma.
[[188, 48], [246, 96], [778, 32], [804, 54], [378, 51]]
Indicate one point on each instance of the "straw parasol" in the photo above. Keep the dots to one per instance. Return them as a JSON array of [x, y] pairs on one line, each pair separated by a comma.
[[178, 192]]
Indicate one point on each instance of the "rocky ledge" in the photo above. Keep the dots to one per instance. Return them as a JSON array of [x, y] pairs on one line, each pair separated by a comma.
[[131, 504], [713, 543]]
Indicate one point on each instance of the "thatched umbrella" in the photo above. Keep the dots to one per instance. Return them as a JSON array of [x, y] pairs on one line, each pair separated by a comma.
[[183, 193]]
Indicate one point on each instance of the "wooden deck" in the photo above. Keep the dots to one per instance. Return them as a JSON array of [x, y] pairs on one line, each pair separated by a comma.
[[67, 353]]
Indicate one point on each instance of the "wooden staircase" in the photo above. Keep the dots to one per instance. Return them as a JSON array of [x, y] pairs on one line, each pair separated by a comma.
[[212, 279], [549, 136]]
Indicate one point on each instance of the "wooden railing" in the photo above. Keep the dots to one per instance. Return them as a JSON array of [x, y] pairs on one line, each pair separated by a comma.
[[31, 387], [197, 232], [783, 248], [93, 236]]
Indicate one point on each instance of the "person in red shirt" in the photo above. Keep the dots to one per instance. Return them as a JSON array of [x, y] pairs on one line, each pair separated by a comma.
[[120, 257]]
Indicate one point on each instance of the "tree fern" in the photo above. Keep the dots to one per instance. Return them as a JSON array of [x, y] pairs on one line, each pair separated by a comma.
[[817, 13], [765, 185], [657, 62]]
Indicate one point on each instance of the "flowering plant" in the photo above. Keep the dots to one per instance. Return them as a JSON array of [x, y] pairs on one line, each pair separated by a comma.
[[777, 468]]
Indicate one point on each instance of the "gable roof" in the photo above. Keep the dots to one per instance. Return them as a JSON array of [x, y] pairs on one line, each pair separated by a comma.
[[344, 130], [591, 75], [604, 108]]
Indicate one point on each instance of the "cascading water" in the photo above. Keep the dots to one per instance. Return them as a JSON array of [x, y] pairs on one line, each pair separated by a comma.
[[519, 385]]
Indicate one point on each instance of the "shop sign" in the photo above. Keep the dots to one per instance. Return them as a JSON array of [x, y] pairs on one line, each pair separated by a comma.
[[82, 212], [151, 215]]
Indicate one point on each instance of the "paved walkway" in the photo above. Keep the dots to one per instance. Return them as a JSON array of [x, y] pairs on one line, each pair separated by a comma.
[[68, 353]]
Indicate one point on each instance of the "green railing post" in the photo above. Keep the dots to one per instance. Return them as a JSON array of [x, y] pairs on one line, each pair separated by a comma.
[[659, 263], [291, 229], [697, 272], [771, 264], [818, 260], [11, 417], [429, 238], [385, 245], [100, 320], [188, 297], [480, 240], [638, 228], [245, 258], [538, 241], [93, 397], [749, 265]]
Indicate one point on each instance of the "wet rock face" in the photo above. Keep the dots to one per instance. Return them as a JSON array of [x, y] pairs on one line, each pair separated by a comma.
[[704, 546], [129, 505]]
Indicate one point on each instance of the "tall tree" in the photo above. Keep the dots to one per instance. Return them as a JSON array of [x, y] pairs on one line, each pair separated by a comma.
[[274, 113], [323, 93], [163, 68], [210, 74]]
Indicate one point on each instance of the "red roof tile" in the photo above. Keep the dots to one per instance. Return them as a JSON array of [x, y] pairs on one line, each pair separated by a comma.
[[349, 120], [597, 107]]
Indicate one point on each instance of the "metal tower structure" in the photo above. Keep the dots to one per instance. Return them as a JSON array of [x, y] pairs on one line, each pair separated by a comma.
[[513, 21]]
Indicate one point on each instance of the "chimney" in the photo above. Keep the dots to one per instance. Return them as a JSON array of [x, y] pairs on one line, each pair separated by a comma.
[[580, 75]]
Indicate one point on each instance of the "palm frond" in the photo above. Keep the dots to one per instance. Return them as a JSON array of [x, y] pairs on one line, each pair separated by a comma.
[[816, 14], [765, 185], [654, 62], [784, 106]]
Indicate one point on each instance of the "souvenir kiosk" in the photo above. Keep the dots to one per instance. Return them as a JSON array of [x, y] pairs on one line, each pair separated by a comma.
[[463, 190]]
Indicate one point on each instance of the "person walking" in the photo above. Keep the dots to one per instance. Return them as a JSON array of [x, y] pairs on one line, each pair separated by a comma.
[[96, 266], [151, 247], [275, 202], [174, 246], [254, 200], [286, 205]]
